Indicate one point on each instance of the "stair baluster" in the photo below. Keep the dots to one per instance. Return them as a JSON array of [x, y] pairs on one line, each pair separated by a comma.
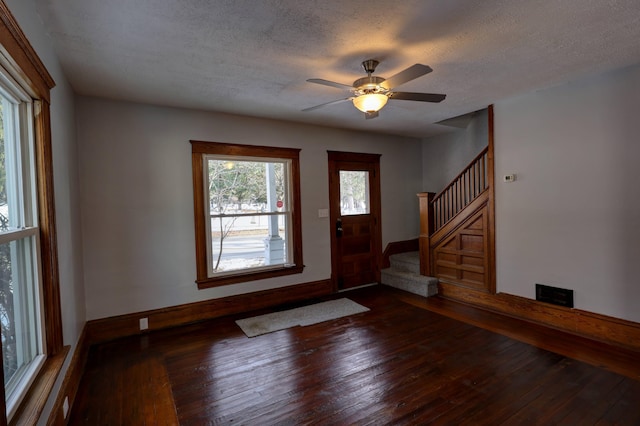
[[462, 190], [437, 210]]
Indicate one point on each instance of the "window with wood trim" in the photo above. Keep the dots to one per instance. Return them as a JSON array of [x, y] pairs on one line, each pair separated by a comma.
[[247, 212], [33, 351], [20, 319]]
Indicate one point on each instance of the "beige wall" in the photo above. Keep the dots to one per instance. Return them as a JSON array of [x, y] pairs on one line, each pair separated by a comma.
[[572, 217], [446, 155], [137, 198]]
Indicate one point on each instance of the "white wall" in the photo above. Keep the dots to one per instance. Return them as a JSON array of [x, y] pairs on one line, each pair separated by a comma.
[[445, 156], [572, 217], [137, 198], [65, 183]]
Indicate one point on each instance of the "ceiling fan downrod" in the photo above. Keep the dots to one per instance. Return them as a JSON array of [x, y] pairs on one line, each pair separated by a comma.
[[370, 66]]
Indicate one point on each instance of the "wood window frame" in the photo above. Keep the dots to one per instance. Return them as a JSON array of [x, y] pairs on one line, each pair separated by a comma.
[[201, 148], [16, 49]]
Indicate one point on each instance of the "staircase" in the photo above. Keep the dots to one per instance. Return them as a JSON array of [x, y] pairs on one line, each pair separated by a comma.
[[404, 274], [456, 230]]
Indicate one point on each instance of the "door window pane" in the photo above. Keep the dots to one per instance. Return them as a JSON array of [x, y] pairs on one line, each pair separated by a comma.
[[354, 192]]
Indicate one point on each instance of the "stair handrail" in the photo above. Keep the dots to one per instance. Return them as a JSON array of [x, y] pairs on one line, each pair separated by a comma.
[[443, 212]]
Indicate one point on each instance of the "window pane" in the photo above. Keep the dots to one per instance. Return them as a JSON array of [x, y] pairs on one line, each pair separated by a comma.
[[7, 168], [251, 241], [248, 202], [18, 313], [354, 192], [20, 319], [237, 186]]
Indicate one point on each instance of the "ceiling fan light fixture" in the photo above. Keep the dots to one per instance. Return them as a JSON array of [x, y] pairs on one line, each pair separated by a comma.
[[371, 102]]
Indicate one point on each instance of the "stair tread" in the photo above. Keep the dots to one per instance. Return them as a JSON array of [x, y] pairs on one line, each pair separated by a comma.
[[409, 256]]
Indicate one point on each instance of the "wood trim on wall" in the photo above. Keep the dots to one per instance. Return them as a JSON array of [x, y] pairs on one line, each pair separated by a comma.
[[48, 230], [587, 324], [20, 52], [491, 206], [128, 325], [427, 224]]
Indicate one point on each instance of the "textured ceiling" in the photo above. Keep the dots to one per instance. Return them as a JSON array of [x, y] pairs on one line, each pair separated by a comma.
[[253, 57]]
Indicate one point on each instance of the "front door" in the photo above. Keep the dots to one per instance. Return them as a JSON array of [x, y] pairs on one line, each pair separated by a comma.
[[354, 199]]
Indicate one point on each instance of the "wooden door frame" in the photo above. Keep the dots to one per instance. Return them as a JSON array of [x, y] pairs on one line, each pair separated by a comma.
[[375, 208]]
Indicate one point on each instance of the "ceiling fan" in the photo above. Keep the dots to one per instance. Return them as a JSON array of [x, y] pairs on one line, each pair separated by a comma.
[[369, 94]]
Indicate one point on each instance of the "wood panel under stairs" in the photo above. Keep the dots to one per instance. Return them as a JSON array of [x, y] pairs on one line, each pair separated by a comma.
[[460, 250], [404, 274]]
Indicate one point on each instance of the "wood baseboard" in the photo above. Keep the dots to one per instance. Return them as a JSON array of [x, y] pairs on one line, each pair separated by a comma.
[[128, 325], [396, 247], [594, 326]]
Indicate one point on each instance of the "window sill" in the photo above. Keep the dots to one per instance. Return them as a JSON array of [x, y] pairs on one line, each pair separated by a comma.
[[34, 402], [244, 277]]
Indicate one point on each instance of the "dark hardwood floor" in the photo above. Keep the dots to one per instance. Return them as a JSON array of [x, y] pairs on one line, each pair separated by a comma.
[[407, 361]]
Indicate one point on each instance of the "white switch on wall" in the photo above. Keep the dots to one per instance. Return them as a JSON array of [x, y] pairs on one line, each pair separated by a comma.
[[323, 213]]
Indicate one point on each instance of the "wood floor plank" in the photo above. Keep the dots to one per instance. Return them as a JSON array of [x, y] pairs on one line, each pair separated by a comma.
[[406, 361]]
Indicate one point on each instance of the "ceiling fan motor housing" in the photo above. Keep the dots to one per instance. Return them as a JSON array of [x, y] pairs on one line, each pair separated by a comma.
[[369, 84]]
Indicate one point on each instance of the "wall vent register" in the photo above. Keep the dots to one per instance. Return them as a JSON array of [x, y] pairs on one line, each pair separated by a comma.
[[554, 295]]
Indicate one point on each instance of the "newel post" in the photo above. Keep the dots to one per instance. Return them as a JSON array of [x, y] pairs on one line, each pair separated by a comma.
[[426, 229]]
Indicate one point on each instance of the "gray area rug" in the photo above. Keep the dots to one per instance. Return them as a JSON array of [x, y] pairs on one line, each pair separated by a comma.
[[305, 315]]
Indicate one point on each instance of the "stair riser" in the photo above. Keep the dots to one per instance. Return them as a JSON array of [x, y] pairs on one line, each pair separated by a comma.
[[420, 288], [402, 265]]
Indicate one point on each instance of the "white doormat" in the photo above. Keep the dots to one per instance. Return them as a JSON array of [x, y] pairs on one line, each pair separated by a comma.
[[305, 315]]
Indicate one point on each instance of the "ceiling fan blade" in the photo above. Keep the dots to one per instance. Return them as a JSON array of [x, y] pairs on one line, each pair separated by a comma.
[[330, 83], [370, 115], [325, 104], [413, 72], [421, 97]]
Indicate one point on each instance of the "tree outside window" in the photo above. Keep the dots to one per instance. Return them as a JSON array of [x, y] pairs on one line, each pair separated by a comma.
[[246, 223]]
